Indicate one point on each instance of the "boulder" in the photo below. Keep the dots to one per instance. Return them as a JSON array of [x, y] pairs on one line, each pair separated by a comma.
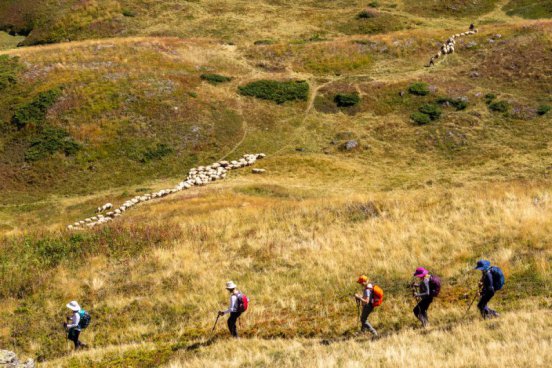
[[9, 359], [349, 145]]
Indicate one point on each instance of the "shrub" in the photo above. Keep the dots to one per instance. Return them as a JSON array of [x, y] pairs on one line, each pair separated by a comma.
[[499, 106], [8, 71], [276, 91], [419, 89], [49, 141], [156, 153], [128, 13], [35, 111], [458, 103], [215, 78], [489, 97], [420, 118], [365, 15], [263, 42], [543, 109], [373, 4], [346, 99], [430, 110]]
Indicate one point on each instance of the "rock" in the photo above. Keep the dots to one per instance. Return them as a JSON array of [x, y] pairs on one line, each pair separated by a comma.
[[258, 171], [9, 359], [349, 145], [474, 74]]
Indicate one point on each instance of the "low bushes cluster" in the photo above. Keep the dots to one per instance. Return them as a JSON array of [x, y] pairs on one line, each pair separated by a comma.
[[49, 141], [431, 110], [419, 89], [276, 91], [458, 103], [34, 113], [420, 118], [346, 99], [215, 78], [365, 14], [499, 106], [8, 71], [543, 109]]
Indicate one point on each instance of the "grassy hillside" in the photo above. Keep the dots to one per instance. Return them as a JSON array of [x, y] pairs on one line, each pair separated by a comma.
[[375, 164]]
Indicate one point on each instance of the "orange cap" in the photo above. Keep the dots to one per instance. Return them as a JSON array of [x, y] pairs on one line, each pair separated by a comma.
[[362, 279]]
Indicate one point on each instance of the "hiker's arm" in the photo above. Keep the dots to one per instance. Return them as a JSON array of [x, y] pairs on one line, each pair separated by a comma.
[[489, 282], [426, 291], [232, 307], [75, 319]]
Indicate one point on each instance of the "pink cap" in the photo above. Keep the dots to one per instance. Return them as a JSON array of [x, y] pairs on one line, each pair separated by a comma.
[[420, 272]]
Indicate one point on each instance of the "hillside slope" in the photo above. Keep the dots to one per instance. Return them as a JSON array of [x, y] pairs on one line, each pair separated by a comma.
[[375, 164]]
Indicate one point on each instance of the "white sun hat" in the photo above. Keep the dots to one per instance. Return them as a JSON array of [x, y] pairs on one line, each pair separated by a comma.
[[74, 306], [370, 286], [230, 285]]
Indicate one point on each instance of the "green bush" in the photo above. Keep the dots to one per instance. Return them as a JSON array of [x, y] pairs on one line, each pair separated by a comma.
[[420, 118], [346, 99], [215, 78], [276, 91], [8, 71], [34, 113], [489, 97], [49, 141], [128, 13], [365, 15], [543, 109], [458, 103], [156, 153], [499, 106], [431, 110], [263, 42], [419, 89]]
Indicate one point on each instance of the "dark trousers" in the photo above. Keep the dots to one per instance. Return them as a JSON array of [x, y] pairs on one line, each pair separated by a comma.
[[486, 312], [366, 310], [73, 335], [420, 310], [232, 323]]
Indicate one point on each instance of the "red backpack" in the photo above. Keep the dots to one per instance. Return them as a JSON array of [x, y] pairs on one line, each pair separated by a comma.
[[243, 302]]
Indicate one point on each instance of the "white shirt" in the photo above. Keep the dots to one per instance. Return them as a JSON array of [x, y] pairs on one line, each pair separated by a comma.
[[75, 319], [233, 307]]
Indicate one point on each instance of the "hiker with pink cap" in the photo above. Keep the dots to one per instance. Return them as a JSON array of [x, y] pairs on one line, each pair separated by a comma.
[[427, 288]]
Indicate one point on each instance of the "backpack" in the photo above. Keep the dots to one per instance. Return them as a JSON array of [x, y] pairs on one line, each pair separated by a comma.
[[84, 319], [498, 277], [434, 285], [377, 298], [243, 303]]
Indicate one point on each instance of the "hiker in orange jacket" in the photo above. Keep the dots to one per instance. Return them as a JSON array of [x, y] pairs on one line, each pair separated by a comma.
[[367, 300]]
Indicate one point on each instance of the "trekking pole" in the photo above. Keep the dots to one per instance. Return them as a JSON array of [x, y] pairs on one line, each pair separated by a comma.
[[215, 325], [473, 300], [358, 308]]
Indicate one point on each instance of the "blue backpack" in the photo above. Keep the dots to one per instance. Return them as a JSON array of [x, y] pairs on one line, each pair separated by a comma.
[[84, 319], [498, 278]]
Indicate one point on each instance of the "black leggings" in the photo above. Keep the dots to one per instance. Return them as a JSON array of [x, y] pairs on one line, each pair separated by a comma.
[[483, 307], [73, 335], [232, 323], [420, 311]]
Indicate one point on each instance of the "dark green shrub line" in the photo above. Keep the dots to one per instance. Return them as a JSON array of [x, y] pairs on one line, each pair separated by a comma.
[[276, 91], [419, 89], [215, 78], [49, 141], [346, 99], [34, 113]]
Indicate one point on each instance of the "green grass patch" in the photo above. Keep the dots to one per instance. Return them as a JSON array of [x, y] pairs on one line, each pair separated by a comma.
[[9, 67], [420, 118], [431, 110], [499, 106], [530, 9], [276, 91], [543, 109], [458, 103], [215, 78], [449, 8]]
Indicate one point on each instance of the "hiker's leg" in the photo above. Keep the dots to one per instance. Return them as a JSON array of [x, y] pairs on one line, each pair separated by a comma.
[[232, 324], [365, 325], [74, 336], [428, 301], [482, 305]]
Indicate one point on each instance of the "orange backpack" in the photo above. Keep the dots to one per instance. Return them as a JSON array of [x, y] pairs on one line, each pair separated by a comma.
[[377, 298]]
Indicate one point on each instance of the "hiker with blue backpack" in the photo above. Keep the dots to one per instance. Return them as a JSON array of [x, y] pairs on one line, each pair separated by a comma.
[[427, 289], [238, 305], [78, 321], [492, 280]]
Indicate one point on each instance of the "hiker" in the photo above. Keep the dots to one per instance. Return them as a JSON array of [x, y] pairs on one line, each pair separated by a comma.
[[372, 296], [238, 305], [428, 288], [492, 280], [79, 320]]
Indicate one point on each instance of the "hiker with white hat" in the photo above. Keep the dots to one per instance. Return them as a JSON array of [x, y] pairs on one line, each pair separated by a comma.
[[78, 321], [238, 305]]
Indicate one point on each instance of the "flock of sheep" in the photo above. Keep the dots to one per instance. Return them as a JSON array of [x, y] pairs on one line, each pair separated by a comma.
[[448, 46], [197, 176]]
